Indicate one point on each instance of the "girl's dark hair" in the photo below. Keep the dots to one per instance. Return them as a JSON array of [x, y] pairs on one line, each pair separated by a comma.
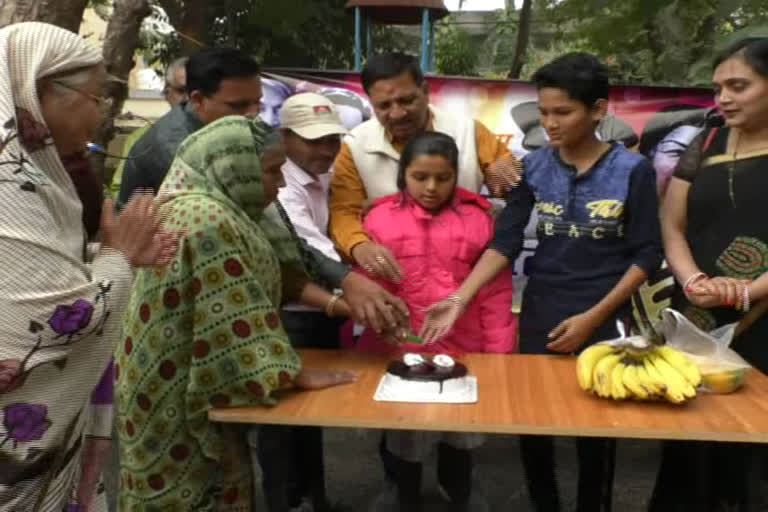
[[754, 50], [581, 75], [427, 143]]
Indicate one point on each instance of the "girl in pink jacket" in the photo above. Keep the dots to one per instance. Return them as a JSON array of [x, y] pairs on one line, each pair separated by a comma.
[[437, 232]]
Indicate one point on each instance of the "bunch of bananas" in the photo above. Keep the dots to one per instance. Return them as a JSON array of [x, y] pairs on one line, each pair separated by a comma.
[[622, 372]]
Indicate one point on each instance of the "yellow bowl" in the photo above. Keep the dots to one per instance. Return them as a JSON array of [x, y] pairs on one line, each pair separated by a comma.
[[722, 380]]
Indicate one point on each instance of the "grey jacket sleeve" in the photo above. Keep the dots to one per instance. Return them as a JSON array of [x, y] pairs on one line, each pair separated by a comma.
[[129, 183], [145, 168], [331, 271]]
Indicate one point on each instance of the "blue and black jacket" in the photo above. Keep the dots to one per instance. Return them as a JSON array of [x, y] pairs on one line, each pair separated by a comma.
[[591, 228]]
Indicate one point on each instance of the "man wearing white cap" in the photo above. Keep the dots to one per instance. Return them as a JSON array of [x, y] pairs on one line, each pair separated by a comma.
[[291, 458], [312, 131]]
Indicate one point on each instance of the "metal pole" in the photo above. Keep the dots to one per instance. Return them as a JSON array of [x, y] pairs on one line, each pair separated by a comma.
[[432, 48], [424, 39], [358, 44], [368, 36]]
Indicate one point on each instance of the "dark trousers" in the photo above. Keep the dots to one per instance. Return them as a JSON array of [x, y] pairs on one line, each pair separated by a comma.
[[596, 458], [454, 474], [707, 476], [291, 458]]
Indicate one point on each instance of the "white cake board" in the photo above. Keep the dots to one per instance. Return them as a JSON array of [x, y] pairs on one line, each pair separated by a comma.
[[392, 388]]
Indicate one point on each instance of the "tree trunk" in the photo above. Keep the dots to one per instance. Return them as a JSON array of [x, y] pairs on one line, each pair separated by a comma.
[[523, 36], [64, 13], [120, 43]]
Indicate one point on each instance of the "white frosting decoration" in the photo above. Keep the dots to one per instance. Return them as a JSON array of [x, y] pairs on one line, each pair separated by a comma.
[[443, 361], [412, 359]]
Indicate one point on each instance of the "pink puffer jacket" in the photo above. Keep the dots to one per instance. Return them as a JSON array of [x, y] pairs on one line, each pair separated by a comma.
[[437, 252]]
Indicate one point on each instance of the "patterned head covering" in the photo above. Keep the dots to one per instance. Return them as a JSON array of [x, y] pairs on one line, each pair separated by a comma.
[[204, 331], [35, 51], [28, 52], [223, 161]]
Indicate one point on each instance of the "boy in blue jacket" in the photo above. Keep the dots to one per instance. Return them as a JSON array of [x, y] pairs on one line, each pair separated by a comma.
[[599, 240]]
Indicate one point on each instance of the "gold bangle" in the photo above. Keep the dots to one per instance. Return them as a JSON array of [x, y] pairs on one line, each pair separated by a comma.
[[331, 305], [456, 299]]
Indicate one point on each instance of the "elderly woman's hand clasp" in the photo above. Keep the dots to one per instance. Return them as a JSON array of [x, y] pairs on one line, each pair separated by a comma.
[[138, 232]]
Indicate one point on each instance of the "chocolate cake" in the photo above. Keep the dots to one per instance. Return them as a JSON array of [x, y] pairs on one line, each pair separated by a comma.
[[426, 372]]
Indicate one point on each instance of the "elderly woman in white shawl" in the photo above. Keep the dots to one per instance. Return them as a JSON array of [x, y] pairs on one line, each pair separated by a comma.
[[59, 312]]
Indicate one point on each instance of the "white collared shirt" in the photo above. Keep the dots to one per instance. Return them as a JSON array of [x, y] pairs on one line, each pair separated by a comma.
[[305, 199]]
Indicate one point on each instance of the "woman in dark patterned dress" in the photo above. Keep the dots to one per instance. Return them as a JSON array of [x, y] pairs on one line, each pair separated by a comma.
[[716, 242]]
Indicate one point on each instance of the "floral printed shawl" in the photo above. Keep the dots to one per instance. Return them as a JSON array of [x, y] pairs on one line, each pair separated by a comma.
[[202, 332], [56, 310]]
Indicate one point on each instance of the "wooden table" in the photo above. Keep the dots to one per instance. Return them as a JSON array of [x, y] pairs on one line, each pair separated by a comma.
[[517, 394]]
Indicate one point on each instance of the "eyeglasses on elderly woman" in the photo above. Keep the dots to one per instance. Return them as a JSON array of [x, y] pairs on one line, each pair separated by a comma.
[[105, 103]]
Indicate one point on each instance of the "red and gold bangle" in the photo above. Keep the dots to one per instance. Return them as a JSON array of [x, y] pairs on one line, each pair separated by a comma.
[[745, 298]]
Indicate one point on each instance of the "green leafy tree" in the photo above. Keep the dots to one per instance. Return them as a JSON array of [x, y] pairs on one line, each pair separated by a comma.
[[654, 41], [455, 52], [500, 42], [296, 33]]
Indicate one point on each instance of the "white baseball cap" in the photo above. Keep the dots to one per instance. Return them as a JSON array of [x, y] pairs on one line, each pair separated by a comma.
[[311, 116]]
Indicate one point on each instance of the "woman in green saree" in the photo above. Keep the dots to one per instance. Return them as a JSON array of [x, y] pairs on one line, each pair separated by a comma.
[[204, 331]]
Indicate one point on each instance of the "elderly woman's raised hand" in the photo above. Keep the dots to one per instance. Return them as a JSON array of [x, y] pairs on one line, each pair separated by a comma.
[[138, 232], [320, 378]]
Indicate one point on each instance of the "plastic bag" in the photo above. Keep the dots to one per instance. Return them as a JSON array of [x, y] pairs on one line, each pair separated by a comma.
[[637, 342], [722, 369]]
